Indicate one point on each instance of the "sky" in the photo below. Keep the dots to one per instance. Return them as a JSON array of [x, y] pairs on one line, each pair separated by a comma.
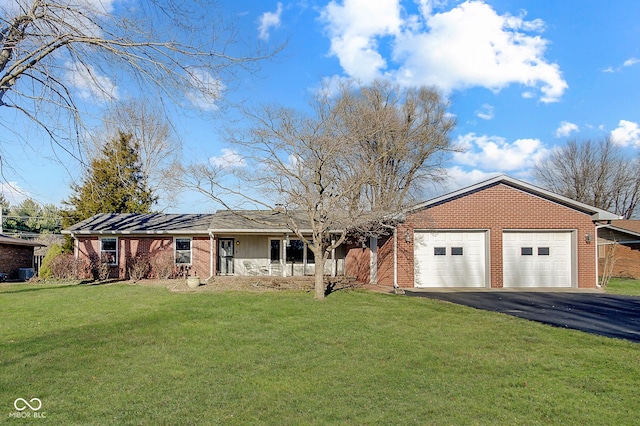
[[522, 78]]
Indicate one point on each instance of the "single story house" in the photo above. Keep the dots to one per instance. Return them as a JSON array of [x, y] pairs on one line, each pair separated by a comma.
[[15, 255], [500, 233], [241, 243], [620, 241]]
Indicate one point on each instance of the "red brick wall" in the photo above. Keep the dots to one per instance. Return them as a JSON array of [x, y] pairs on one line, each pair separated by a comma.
[[130, 247], [495, 209], [12, 258], [357, 263], [627, 256]]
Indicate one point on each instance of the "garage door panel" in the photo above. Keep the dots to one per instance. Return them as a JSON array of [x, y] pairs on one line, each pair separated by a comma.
[[460, 262], [547, 262]]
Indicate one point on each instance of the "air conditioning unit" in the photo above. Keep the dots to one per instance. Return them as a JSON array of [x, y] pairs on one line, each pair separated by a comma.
[[25, 274]]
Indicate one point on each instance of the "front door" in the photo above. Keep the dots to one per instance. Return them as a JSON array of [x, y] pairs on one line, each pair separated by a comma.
[[225, 256]]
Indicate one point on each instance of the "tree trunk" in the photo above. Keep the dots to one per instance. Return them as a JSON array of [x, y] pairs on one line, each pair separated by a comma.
[[319, 277]]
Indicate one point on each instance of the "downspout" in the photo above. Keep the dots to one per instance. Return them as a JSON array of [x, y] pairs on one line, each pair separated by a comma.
[[395, 258], [211, 247], [597, 258]]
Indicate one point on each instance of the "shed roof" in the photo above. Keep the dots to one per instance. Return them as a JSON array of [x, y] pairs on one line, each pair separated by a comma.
[[5, 239], [151, 223], [594, 212]]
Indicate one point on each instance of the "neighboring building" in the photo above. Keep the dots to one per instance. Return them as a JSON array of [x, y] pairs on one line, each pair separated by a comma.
[[500, 233], [242, 243], [16, 255], [620, 239]]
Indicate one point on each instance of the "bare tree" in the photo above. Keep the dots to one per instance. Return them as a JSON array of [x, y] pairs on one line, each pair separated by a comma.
[[55, 54], [336, 164], [160, 148], [594, 173]]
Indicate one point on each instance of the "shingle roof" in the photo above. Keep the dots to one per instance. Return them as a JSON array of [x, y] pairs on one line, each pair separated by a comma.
[[4, 239], [258, 221], [631, 227], [152, 223]]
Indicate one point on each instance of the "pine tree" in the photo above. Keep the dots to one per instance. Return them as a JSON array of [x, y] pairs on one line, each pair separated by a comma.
[[115, 183]]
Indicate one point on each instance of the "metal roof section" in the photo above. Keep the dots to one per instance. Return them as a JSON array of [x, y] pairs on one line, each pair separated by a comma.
[[141, 224], [596, 213]]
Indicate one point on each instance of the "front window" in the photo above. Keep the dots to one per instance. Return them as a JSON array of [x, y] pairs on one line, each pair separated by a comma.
[[109, 250], [183, 251], [296, 250]]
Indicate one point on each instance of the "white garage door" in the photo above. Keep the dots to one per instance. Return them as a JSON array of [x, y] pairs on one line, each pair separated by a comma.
[[449, 259], [537, 259]]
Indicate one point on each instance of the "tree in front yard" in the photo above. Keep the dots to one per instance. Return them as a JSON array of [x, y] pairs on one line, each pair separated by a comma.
[[114, 183], [352, 162]]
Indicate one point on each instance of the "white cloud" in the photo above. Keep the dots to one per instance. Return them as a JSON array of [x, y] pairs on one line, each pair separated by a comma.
[[494, 153], [460, 178], [90, 84], [13, 193], [566, 128], [470, 45], [627, 133], [485, 112], [207, 90], [229, 158], [630, 62], [269, 20], [354, 27]]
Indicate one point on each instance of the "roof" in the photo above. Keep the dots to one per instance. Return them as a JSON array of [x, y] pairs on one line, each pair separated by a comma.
[[151, 223], [629, 227], [596, 213], [258, 221], [4, 239]]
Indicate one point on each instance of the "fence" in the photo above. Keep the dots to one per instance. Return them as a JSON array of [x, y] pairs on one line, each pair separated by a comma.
[[37, 263]]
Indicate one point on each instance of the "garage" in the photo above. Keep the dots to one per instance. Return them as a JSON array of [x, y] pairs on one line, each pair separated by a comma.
[[537, 259], [450, 258]]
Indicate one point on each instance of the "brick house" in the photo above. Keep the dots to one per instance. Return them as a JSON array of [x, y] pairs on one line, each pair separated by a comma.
[[15, 254], [500, 233], [246, 243], [623, 237]]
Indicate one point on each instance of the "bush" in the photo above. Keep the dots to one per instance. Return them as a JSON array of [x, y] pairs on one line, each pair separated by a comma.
[[45, 269], [66, 266], [138, 267], [163, 264], [99, 266]]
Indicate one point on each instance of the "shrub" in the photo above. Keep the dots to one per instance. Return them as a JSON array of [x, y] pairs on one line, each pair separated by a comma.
[[163, 264], [99, 266], [45, 269], [66, 266], [138, 267]]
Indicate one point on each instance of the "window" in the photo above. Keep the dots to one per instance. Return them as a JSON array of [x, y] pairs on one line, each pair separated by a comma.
[[456, 251], [526, 251], [295, 252], [183, 251], [109, 250], [543, 251], [439, 251]]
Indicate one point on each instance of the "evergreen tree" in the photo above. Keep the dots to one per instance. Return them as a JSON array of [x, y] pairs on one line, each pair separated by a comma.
[[114, 183]]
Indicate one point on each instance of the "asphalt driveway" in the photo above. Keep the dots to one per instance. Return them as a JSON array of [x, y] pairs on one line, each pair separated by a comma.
[[603, 314]]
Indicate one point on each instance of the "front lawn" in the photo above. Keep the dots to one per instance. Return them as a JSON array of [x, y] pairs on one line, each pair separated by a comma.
[[626, 286], [124, 354]]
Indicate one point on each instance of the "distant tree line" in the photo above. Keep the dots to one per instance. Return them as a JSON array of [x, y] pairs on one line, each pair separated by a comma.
[[29, 217]]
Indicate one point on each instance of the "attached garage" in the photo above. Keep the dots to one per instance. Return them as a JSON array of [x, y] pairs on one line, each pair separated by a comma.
[[450, 259], [500, 233], [538, 259]]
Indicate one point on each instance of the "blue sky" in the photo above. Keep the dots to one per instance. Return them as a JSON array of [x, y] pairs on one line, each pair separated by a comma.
[[522, 77]]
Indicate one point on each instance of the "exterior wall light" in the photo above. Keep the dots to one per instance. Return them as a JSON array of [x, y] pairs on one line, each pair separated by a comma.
[[588, 238]]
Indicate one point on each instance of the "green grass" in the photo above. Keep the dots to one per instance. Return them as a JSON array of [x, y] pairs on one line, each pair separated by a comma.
[[624, 286], [123, 354]]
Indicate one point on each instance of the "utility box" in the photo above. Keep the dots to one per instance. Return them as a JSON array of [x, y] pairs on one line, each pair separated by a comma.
[[25, 274]]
